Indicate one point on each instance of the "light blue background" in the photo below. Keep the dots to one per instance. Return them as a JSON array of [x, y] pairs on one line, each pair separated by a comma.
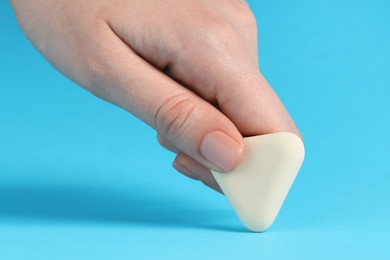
[[82, 179]]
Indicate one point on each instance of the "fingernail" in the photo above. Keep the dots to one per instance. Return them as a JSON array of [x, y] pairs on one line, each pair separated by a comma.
[[221, 150], [179, 167]]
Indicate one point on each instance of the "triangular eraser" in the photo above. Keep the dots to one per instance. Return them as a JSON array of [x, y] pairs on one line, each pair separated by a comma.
[[257, 187]]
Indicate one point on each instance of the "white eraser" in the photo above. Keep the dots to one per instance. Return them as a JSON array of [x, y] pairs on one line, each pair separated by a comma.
[[257, 187]]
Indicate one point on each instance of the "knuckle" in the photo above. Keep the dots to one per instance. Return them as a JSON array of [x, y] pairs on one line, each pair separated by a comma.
[[220, 29], [219, 35], [176, 115], [248, 21], [244, 15], [222, 32], [96, 64], [93, 72]]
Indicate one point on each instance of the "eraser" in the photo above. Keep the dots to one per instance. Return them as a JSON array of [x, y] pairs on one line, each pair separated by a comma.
[[258, 186]]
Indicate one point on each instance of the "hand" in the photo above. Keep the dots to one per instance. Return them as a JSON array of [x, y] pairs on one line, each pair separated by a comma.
[[188, 68]]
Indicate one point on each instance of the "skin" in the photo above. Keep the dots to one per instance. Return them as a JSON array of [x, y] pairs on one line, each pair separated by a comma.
[[184, 67]]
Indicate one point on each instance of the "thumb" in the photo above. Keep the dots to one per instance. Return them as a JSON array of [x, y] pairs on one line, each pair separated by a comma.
[[187, 121], [197, 128]]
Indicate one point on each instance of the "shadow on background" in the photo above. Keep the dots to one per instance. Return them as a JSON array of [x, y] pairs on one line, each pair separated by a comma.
[[94, 205]]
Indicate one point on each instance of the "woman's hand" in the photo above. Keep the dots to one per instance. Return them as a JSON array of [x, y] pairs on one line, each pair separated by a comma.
[[188, 68]]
